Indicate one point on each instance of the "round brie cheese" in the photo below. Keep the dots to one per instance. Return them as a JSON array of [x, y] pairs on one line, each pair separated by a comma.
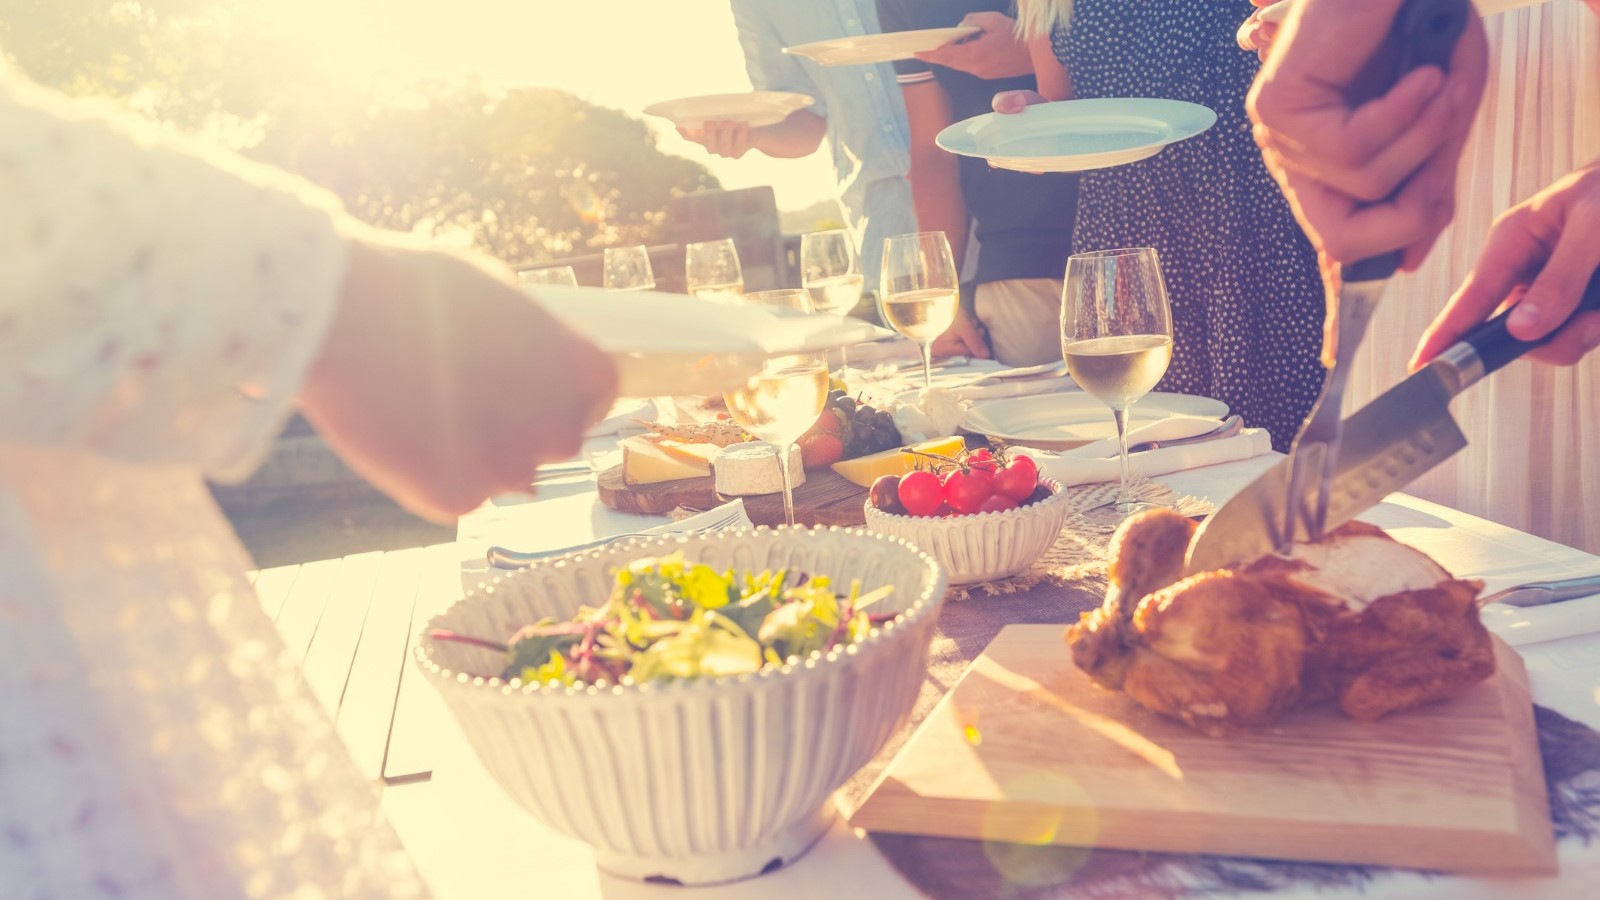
[[743, 470]]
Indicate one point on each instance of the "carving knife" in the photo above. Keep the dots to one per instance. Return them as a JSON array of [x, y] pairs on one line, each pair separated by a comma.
[[1386, 445]]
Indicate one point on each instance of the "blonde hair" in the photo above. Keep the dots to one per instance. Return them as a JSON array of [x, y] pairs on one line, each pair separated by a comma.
[[1040, 17]]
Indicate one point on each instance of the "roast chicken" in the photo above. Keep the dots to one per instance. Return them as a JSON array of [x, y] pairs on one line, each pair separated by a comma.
[[1356, 619]]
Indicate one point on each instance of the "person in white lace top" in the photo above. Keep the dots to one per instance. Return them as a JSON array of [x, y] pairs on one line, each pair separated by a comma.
[[162, 310]]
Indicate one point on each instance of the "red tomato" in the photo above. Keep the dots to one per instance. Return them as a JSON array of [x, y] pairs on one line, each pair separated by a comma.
[[981, 458], [920, 493], [997, 503], [1018, 479], [966, 489]]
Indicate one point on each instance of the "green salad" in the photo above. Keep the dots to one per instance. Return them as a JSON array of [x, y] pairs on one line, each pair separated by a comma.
[[669, 619]]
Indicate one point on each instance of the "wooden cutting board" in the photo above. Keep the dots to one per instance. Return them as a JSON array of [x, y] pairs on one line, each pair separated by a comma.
[[1026, 749], [827, 498]]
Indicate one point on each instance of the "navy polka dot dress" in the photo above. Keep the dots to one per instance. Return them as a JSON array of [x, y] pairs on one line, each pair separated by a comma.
[[1247, 301]]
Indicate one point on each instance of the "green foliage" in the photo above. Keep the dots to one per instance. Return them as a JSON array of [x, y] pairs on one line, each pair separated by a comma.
[[526, 175]]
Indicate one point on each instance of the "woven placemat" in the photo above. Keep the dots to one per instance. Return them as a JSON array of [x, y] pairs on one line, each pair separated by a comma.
[[1080, 548]]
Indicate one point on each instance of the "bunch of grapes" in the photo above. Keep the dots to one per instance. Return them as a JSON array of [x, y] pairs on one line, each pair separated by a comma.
[[866, 430]]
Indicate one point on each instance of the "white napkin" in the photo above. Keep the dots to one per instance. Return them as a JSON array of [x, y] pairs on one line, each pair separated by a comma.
[[699, 520], [1090, 464]]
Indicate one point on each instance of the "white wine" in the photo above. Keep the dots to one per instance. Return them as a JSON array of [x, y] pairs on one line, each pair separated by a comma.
[[779, 404], [837, 294], [728, 294], [921, 315], [1118, 370]]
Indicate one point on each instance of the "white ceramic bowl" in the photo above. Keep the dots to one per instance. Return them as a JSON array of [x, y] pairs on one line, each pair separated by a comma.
[[982, 546], [705, 781]]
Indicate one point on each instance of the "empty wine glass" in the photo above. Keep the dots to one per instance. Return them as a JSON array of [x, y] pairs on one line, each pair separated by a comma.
[[628, 269], [831, 270], [1116, 337], [921, 290], [711, 271], [784, 399], [562, 275]]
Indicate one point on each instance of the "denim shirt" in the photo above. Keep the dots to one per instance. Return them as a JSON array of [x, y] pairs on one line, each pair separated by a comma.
[[866, 116]]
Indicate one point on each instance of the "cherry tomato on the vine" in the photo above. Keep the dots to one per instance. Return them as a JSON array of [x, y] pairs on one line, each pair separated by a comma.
[[1018, 479], [966, 489], [920, 493]]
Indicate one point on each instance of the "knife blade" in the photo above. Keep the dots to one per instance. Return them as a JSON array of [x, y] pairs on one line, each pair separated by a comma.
[[1386, 445]]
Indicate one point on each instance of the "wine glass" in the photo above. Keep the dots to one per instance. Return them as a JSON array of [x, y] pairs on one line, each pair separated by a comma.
[[784, 399], [1116, 336], [553, 275], [921, 290], [711, 271], [831, 270], [628, 269]]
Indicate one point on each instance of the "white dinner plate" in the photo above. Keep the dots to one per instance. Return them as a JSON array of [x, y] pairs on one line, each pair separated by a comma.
[[1075, 135], [1064, 420], [754, 108], [867, 49], [673, 344]]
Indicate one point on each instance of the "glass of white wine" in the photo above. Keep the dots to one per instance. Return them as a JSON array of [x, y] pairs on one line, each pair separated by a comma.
[[711, 271], [628, 269], [831, 270], [562, 275], [1116, 336], [920, 290], [784, 399]]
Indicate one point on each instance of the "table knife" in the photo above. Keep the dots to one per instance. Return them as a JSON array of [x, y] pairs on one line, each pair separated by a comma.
[[1387, 444]]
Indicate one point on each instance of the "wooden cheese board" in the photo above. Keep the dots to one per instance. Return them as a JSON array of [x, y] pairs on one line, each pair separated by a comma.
[[826, 498], [1026, 749]]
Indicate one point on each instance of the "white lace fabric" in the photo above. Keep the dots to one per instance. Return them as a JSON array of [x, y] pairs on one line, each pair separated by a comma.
[[1531, 429], [159, 307]]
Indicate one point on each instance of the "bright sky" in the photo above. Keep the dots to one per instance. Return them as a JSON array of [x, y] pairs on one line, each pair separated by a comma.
[[623, 54]]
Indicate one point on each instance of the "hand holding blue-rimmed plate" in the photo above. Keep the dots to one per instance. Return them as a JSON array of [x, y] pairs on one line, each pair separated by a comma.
[[1076, 135]]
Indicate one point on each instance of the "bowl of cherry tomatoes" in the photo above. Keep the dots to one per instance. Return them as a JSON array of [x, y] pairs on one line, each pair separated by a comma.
[[983, 515]]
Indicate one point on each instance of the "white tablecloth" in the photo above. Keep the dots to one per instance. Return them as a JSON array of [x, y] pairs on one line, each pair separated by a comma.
[[471, 842]]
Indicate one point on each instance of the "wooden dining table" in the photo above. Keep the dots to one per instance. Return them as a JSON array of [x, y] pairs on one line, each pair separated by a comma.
[[354, 621]]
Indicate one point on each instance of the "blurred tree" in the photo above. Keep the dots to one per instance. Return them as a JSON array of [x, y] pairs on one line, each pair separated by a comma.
[[525, 175]]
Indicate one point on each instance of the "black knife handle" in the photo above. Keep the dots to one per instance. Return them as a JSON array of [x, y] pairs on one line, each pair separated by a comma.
[[1424, 33], [1495, 345]]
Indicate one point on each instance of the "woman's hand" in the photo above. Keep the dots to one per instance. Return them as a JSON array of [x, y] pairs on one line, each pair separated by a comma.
[[994, 52], [1258, 31], [414, 378], [1539, 258], [1009, 103]]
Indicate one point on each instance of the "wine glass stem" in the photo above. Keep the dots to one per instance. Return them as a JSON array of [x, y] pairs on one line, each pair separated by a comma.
[[927, 365], [1121, 415], [782, 451], [844, 358]]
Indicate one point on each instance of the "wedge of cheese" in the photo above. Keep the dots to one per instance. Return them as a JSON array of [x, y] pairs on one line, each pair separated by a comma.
[[648, 459], [864, 470]]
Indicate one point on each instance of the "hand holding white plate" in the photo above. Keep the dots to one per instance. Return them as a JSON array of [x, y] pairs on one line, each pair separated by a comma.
[[1076, 135], [869, 49], [754, 108], [672, 344]]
